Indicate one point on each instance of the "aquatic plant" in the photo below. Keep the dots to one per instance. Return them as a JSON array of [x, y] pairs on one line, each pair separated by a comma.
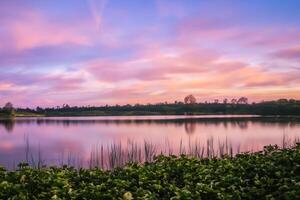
[[273, 173]]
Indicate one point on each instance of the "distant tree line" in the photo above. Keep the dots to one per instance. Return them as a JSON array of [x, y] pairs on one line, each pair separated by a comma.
[[190, 99], [189, 106]]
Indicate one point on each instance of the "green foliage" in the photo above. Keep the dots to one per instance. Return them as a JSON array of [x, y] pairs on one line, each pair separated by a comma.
[[270, 174]]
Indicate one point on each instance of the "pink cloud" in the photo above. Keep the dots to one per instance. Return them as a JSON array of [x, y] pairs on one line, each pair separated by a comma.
[[5, 86], [29, 28], [42, 89], [218, 79], [292, 53], [152, 65], [63, 83], [246, 77], [34, 31], [159, 65], [199, 30]]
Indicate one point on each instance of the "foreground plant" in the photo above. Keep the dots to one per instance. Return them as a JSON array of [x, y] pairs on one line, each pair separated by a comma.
[[270, 174]]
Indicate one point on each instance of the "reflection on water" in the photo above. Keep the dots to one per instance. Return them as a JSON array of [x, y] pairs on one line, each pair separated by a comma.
[[72, 139], [8, 125], [188, 123], [190, 127]]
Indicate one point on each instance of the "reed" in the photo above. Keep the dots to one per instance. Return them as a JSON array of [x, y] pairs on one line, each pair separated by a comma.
[[116, 154], [149, 150], [37, 161]]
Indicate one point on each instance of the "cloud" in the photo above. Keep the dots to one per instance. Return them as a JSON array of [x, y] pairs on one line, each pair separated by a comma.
[[292, 53], [5, 86], [34, 31], [153, 64], [50, 57], [199, 30], [30, 36], [25, 87], [97, 9]]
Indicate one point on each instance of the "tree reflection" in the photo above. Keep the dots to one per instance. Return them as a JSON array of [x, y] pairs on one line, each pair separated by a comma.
[[190, 127], [243, 125], [188, 123], [8, 125]]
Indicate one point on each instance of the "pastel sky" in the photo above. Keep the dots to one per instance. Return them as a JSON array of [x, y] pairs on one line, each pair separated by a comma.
[[97, 52]]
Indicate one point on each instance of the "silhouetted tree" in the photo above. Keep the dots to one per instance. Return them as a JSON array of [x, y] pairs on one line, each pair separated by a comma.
[[8, 106], [225, 101], [66, 106], [39, 109], [292, 101], [233, 101], [282, 101], [243, 100], [190, 99], [9, 109]]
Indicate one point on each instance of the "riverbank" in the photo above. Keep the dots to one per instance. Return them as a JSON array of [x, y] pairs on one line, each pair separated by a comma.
[[19, 115], [270, 174]]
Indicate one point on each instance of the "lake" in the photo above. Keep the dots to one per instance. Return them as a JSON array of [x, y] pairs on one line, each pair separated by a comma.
[[78, 140]]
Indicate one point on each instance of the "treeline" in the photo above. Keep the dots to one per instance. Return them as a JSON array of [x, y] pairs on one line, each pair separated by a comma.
[[279, 107]]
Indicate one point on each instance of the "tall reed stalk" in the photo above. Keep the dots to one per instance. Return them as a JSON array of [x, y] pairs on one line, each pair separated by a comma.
[[116, 154]]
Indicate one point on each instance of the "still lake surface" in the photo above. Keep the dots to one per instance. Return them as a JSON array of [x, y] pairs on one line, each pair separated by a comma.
[[64, 139]]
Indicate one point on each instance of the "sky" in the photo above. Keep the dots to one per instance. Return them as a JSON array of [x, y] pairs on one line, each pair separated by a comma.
[[97, 52]]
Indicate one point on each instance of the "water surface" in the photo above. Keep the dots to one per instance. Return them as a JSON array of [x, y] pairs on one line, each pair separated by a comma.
[[58, 140]]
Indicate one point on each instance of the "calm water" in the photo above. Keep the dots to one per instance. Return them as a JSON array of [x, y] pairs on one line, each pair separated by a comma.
[[64, 139]]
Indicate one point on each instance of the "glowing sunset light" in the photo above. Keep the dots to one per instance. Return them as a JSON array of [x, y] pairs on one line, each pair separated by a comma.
[[98, 52]]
